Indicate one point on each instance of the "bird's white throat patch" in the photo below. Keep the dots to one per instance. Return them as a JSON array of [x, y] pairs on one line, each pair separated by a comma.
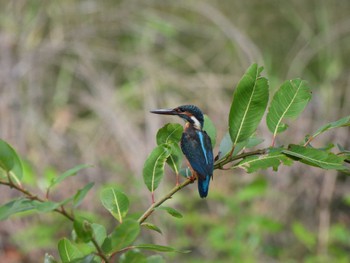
[[196, 123]]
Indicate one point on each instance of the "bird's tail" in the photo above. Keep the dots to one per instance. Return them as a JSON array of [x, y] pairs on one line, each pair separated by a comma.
[[203, 186]]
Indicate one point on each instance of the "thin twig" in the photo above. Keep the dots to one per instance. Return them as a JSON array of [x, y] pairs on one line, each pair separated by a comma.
[[60, 210], [150, 210], [99, 251], [218, 165], [121, 250]]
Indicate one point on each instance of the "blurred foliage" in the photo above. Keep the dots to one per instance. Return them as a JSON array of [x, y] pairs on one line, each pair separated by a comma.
[[77, 79]]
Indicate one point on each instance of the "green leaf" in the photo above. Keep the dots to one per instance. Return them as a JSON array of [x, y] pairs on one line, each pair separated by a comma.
[[70, 172], [316, 157], [45, 206], [273, 159], [250, 99], [288, 102], [14, 207], [88, 259], [246, 144], [22, 204], [175, 158], [170, 135], [343, 152], [343, 122], [170, 211], [87, 249], [99, 233], [49, 259], [153, 169], [67, 200], [253, 141], [123, 236], [209, 127], [152, 227], [116, 202], [68, 251], [159, 248], [10, 162], [133, 256], [81, 193], [304, 236], [225, 146], [83, 229], [171, 132]]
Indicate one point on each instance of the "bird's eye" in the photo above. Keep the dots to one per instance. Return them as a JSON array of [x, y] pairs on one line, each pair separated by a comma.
[[178, 110]]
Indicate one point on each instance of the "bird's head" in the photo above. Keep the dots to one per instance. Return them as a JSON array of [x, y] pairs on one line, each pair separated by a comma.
[[189, 113]]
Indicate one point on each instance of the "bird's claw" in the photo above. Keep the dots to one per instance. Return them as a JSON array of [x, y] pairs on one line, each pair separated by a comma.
[[192, 178]]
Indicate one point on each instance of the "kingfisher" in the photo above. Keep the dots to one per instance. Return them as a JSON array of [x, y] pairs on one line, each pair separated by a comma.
[[195, 145]]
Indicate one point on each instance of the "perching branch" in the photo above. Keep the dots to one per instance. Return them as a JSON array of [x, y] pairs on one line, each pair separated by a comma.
[[169, 195], [218, 165]]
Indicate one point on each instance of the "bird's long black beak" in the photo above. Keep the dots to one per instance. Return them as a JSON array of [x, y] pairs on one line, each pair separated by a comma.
[[164, 111]]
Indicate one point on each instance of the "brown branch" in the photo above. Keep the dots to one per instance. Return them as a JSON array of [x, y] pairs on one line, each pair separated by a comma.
[[60, 210], [218, 165], [31, 196], [169, 195], [177, 188], [120, 251], [99, 251], [221, 163]]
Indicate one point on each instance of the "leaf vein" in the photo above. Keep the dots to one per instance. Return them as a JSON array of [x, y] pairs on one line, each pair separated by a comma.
[[286, 110], [117, 204], [154, 169], [246, 111]]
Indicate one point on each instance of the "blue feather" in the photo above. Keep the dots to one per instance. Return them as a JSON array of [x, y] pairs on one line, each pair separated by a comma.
[[203, 186], [196, 146], [200, 134]]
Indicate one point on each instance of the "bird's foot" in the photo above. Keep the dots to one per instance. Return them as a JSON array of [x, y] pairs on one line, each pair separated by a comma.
[[192, 178]]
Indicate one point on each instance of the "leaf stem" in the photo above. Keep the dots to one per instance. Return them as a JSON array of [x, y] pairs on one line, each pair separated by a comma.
[[308, 141], [273, 140]]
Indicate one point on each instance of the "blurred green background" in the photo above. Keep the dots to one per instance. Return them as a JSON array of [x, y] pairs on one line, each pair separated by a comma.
[[78, 79]]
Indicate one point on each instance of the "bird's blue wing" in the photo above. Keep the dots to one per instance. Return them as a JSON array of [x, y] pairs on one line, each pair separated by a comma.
[[198, 150], [196, 146], [208, 152]]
